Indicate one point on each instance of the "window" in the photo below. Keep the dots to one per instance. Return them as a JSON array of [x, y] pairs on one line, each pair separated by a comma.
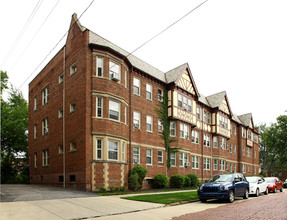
[[234, 148], [215, 144], [45, 96], [60, 149], [35, 160], [195, 162], [126, 79], [35, 131], [99, 149], [181, 130], [124, 152], [223, 121], [114, 110], [255, 138], [160, 156], [234, 167], [61, 179], [172, 128], [243, 168], [223, 143], [45, 156], [125, 114], [136, 120], [149, 91], [72, 178], [181, 159], [149, 156], [136, 86], [99, 66], [160, 127], [249, 135], [243, 150], [60, 113], [226, 168], [198, 113], [160, 95], [149, 123], [45, 126], [248, 151], [206, 141], [35, 103], [61, 78], [206, 117], [234, 130], [179, 100], [255, 170], [243, 133], [206, 163], [72, 107], [186, 131], [113, 150], [73, 146], [189, 105], [222, 165], [115, 71], [99, 107], [231, 148], [73, 69], [195, 137], [184, 103], [172, 159], [136, 155], [230, 167], [248, 168], [215, 164]]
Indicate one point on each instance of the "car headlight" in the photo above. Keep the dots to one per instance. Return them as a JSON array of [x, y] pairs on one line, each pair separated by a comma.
[[221, 187], [201, 187], [252, 187], [226, 188]]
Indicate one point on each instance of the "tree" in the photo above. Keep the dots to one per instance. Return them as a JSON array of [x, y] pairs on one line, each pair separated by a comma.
[[14, 139], [162, 112], [4, 81], [273, 144]]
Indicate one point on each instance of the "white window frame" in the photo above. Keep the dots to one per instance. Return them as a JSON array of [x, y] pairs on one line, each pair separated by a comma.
[[125, 114], [99, 104], [124, 152], [35, 103], [100, 66], [136, 155], [149, 91], [206, 163], [160, 94], [181, 159], [72, 107], [111, 110], [159, 125], [137, 119], [206, 141], [126, 79], [222, 165], [231, 148], [172, 129], [243, 151], [114, 70], [61, 78], [137, 85], [186, 131], [45, 157], [160, 157], [35, 160], [215, 164], [179, 101], [149, 156], [99, 148], [45, 126], [189, 105], [73, 69], [195, 162], [234, 148], [149, 121], [248, 151], [223, 143], [215, 142], [113, 150], [195, 137], [198, 110], [181, 130], [173, 159], [35, 131], [60, 113], [45, 96], [206, 117]]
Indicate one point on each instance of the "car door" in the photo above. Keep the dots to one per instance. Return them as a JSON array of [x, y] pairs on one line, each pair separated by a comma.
[[261, 185], [238, 185]]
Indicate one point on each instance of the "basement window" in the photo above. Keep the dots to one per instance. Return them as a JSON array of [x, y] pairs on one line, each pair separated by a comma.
[[72, 178]]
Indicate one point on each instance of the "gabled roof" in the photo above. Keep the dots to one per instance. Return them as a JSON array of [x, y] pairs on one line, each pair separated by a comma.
[[246, 118], [173, 75], [203, 100], [215, 100], [236, 119]]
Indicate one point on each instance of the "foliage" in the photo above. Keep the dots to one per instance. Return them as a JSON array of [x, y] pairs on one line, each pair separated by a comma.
[[113, 189], [166, 198], [273, 144], [160, 181], [14, 137], [187, 181], [103, 190], [141, 171], [162, 112], [263, 173], [4, 81], [194, 179], [134, 181], [176, 181]]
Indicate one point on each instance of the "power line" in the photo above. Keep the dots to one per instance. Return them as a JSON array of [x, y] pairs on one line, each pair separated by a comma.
[[23, 30], [34, 36], [57, 44]]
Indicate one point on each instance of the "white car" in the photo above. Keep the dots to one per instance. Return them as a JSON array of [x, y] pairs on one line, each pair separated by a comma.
[[257, 185]]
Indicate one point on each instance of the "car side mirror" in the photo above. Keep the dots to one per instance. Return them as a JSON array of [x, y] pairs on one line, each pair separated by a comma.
[[236, 180]]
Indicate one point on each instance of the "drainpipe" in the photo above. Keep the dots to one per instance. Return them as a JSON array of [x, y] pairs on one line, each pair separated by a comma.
[[202, 143], [64, 116], [130, 121]]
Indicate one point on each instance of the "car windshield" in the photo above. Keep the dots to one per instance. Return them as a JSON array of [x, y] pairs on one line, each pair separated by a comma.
[[269, 180], [221, 178], [252, 179]]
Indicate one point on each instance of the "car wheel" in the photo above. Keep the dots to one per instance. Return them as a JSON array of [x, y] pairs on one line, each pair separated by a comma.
[[281, 190], [266, 192], [246, 194], [203, 200], [257, 193], [231, 196], [275, 190]]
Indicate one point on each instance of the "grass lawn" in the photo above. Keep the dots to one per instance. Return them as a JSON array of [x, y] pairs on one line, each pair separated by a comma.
[[167, 198]]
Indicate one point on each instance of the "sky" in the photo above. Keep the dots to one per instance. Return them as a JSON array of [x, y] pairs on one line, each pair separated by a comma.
[[237, 46]]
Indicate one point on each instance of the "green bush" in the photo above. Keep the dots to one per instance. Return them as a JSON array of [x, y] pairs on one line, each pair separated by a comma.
[[103, 190], [141, 171], [160, 181], [113, 189], [134, 181], [263, 173], [176, 181], [194, 179], [122, 188], [187, 181]]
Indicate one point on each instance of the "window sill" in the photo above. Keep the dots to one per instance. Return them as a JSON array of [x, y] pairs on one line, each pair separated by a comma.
[[137, 94], [151, 132], [71, 151]]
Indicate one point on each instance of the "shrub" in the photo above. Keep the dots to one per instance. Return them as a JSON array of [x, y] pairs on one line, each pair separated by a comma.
[[103, 190], [113, 189], [160, 181], [194, 179], [176, 181], [122, 188], [187, 181], [141, 171], [134, 181]]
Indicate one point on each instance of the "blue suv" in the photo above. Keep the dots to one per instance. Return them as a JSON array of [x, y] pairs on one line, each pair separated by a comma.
[[225, 187]]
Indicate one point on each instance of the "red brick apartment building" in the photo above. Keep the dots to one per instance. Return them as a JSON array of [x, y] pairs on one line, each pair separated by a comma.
[[92, 118]]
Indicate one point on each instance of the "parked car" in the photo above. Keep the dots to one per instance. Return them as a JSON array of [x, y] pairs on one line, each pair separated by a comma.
[[225, 187], [285, 184], [274, 184], [257, 185]]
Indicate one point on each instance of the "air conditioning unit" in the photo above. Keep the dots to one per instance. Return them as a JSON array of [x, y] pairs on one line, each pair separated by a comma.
[[136, 160], [187, 164], [186, 137], [115, 77], [136, 125]]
